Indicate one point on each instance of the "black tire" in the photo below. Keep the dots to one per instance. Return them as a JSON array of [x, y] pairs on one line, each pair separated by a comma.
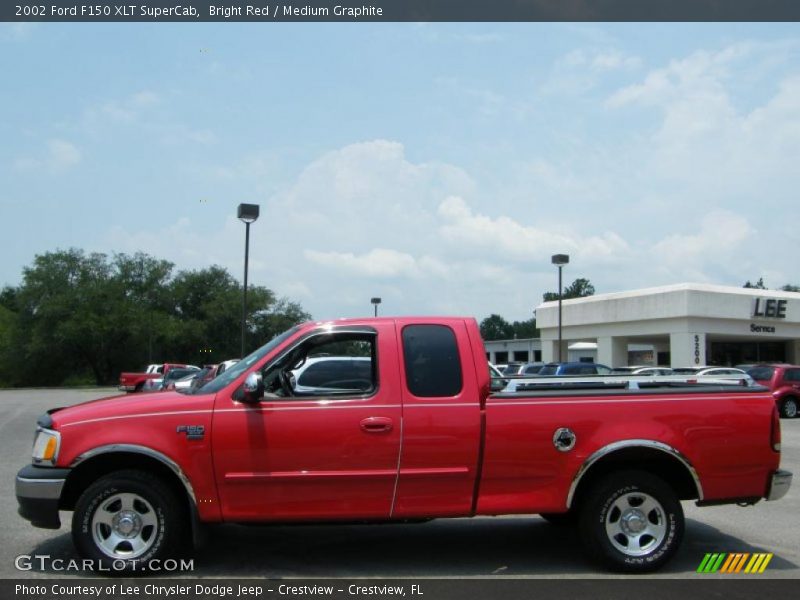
[[631, 522], [789, 408], [567, 519], [126, 519]]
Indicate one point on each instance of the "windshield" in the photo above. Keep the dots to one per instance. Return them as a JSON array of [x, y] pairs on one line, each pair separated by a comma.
[[761, 373], [240, 367]]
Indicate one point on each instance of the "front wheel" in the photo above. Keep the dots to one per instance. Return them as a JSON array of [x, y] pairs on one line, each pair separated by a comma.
[[789, 408], [127, 519], [632, 522]]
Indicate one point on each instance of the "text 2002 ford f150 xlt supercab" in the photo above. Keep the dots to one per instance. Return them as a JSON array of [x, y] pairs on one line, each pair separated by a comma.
[[415, 433]]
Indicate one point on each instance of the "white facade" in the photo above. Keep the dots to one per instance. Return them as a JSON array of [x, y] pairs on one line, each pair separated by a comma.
[[685, 324]]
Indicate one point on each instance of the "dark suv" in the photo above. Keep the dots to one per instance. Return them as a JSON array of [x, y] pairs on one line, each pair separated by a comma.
[[574, 368], [784, 383]]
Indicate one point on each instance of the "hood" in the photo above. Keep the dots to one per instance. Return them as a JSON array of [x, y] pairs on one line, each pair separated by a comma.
[[129, 404]]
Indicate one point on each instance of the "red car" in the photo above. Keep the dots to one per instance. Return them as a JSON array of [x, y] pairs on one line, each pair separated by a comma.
[[784, 383], [417, 434]]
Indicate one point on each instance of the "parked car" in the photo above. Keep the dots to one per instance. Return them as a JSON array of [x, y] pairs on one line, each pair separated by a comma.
[[512, 369], [135, 382], [193, 379], [784, 382], [530, 369], [326, 374], [498, 381], [715, 372], [199, 379], [225, 364], [177, 373], [151, 385], [574, 368], [641, 370]]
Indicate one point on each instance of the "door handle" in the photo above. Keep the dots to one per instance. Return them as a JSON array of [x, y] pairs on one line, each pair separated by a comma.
[[377, 424]]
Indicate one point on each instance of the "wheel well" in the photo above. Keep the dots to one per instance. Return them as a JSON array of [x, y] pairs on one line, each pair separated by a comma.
[[656, 462], [89, 471]]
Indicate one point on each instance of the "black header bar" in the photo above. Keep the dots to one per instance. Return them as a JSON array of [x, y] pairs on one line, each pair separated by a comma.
[[271, 11]]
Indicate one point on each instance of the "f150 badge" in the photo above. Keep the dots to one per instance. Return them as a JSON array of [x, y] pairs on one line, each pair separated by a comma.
[[193, 432]]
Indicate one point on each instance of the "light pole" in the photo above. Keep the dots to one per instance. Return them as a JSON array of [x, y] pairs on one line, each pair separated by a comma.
[[247, 213], [559, 260], [375, 302]]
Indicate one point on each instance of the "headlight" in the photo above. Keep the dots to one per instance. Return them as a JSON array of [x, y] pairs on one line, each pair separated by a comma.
[[46, 446]]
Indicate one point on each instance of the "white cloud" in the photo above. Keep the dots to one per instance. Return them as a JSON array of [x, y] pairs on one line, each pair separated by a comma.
[[519, 242], [719, 246], [581, 70], [16, 32], [58, 156], [600, 60], [378, 262], [62, 154]]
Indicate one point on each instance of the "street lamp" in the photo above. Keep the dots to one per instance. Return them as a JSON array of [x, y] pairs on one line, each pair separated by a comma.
[[375, 302], [247, 213], [559, 260]]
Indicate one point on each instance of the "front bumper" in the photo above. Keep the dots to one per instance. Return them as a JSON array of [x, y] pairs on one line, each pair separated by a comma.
[[126, 388], [38, 494], [779, 484]]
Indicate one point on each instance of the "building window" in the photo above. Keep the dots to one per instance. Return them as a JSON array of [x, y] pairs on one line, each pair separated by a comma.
[[521, 356]]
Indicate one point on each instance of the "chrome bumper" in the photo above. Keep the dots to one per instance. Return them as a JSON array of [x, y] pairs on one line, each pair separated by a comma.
[[779, 484], [126, 388]]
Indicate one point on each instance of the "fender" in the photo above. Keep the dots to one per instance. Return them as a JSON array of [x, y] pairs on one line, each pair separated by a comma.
[[136, 449], [635, 443]]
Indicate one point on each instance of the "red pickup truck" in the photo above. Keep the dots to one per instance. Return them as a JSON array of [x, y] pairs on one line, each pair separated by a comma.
[[408, 431], [134, 382]]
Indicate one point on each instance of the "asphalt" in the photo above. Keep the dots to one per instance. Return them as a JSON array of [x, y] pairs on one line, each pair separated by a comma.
[[499, 547]]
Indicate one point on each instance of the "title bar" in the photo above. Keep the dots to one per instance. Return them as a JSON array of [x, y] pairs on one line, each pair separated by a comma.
[[400, 10]]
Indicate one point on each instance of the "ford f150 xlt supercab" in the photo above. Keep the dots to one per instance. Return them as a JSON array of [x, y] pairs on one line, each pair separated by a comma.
[[415, 433]]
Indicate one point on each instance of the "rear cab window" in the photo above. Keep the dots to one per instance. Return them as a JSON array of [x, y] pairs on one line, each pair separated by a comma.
[[433, 367]]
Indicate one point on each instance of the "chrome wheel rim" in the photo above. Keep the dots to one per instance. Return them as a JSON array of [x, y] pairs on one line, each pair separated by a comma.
[[790, 409], [124, 526], [636, 524]]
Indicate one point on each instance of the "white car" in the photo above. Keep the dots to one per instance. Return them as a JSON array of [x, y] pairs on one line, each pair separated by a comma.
[[643, 370], [327, 374], [715, 373]]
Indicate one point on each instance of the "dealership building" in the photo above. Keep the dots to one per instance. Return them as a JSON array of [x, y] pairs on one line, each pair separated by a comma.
[[678, 325]]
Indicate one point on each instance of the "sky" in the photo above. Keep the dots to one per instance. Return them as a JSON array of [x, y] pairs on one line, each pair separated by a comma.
[[438, 166]]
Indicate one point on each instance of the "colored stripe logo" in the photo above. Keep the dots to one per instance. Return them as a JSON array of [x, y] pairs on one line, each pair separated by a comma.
[[736, 562]]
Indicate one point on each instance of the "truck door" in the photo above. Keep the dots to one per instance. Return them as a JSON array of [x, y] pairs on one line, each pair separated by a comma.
[[325, 448], [441, 421]]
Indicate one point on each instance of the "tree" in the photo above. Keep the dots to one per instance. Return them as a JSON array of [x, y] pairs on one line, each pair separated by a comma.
[[78, 315], [495, 327], [579, 288], [758, 285], [525, 329], [791, 288]]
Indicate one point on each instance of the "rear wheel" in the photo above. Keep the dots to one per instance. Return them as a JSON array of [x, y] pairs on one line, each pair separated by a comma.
[[789, 408], [126, 519], [631, 521]]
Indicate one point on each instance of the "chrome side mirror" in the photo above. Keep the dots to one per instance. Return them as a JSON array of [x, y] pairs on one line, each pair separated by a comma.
[[253, 388]]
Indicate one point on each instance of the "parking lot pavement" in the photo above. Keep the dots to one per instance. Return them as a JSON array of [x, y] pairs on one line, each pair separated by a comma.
[[482, 547]]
